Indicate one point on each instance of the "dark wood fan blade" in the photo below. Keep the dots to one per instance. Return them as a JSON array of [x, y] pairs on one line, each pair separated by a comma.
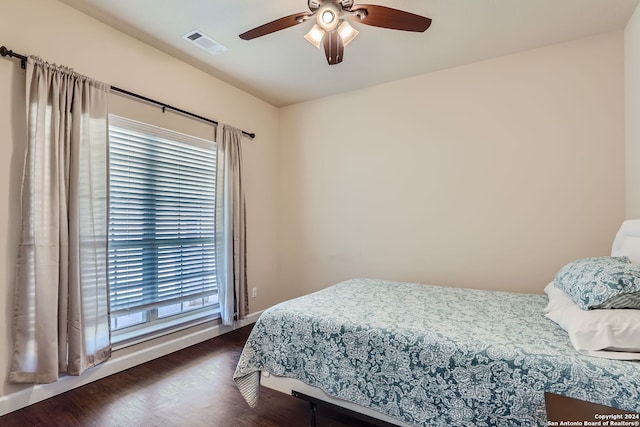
[[386, 17], [333, 47], [273, 26]]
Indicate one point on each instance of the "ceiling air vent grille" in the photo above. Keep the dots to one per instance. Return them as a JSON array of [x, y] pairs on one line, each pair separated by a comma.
[[207, 43]]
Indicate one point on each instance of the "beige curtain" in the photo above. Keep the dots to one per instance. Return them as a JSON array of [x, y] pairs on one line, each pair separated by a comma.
[[231, 241], [61, 320]]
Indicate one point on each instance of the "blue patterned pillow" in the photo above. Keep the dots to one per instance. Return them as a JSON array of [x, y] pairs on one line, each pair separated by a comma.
[[601, 282]]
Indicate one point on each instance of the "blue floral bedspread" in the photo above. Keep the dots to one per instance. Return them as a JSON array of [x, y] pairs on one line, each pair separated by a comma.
[[430, 355]]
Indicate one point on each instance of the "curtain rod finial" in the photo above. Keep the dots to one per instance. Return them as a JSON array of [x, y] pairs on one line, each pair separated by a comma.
[[7, 52]]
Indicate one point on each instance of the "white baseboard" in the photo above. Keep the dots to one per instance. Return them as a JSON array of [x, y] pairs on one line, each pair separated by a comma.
[[36, 393]]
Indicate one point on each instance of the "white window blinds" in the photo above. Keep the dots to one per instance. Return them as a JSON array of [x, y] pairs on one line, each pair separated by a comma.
[[161, 217]]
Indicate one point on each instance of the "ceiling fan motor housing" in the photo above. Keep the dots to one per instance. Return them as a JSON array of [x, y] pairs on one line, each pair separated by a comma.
[[316, 4]]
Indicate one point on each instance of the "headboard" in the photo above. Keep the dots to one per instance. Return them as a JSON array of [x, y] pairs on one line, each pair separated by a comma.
[[627, 241]]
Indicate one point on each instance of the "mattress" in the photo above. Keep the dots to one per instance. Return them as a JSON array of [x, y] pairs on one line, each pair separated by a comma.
[[430, 355]]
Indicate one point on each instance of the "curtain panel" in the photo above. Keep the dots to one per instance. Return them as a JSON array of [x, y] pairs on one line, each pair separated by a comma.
[[60, 319], [231, 240]]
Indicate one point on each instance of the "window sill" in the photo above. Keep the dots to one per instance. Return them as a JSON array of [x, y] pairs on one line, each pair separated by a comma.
[[140, 335]]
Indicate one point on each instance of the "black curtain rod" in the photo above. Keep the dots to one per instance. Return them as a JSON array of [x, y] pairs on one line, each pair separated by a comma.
[[23, 63], [170, 107]]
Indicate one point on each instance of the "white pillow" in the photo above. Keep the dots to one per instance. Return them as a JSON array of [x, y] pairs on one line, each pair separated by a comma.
[[627, 241], [607, 333]]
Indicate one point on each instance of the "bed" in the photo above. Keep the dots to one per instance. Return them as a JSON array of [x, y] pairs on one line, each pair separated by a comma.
[[422, 355]]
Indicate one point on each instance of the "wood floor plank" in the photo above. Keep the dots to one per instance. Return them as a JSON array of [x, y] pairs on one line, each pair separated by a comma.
[[190, 388]]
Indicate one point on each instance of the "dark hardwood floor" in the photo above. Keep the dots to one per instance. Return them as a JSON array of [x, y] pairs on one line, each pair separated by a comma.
[[190, 388]]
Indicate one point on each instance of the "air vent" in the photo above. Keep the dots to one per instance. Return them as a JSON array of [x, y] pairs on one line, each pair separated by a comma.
[[207, 43]]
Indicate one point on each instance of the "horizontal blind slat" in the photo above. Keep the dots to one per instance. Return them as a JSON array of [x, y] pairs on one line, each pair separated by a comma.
[[162, 217]]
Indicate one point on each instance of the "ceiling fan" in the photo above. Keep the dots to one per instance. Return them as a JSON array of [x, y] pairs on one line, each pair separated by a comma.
[[333, 31]]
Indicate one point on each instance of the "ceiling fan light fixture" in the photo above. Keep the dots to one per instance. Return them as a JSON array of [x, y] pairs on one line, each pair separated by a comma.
[[315, 35], [347, 32], [328, 17]]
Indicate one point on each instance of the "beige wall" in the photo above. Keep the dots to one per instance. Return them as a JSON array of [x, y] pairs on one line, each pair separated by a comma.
[[105, 54], [491, 175], [632, 114]]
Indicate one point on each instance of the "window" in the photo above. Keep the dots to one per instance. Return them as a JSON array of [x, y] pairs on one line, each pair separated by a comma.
[[161, 228]]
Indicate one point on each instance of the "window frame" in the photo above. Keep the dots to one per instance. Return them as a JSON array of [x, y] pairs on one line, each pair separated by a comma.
[[154, 324]]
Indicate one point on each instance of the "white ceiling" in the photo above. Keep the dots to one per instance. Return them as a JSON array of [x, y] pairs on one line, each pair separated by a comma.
[[282, 68]]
